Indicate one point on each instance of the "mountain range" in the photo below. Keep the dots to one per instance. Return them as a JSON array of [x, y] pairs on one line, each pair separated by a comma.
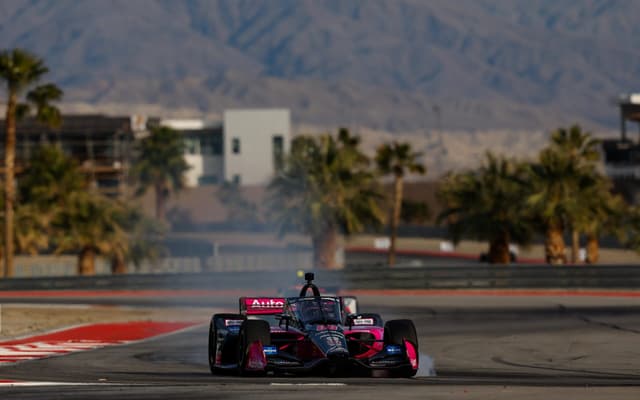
[[386, 65]]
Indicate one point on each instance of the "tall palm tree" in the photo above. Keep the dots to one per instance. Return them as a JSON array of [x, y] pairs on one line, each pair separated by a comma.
[[324, 188], [554, 182], [486, 204], [397, 159], [160, 164], [576, 144], [582, 150], [19, 70]]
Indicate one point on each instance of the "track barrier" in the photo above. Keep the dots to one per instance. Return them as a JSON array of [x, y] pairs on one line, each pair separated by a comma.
[[464, 276]]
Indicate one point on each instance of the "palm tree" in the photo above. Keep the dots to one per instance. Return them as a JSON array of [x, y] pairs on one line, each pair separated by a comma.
[[554, 180], [580, 148], [20, 69], [160, 164], [32, 229], [486, 204], [576, 144], [50, 176], [57, 210], [90, 224], [324, 188], [397, 159], [600, 212]]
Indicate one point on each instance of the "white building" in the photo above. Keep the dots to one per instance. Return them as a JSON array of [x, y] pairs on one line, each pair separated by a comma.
[[244, 148]]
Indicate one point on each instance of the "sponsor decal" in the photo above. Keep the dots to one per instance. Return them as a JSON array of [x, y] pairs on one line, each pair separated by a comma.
[[270, 350], [393, 349], [233, 322], [363, 321], [263, 305]]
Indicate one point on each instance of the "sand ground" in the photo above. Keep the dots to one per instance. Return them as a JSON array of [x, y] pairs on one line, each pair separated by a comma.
[[536, 252]]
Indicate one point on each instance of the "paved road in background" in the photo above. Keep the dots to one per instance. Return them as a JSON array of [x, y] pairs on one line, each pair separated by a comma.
[[364, 258], [483, 346]]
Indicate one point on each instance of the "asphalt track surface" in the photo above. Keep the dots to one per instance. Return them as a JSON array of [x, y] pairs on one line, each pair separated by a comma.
[[498, 347]]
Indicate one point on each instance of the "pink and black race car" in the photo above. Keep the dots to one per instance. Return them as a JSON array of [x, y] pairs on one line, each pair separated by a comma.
[[310, 334]]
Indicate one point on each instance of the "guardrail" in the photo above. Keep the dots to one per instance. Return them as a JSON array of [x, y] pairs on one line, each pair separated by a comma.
[[492, 276], [360, 277], [57, 266]]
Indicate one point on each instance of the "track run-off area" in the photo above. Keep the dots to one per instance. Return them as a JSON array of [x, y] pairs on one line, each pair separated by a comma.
[[484, 345]]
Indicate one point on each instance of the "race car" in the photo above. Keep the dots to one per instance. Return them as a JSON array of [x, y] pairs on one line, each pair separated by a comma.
[[310, 334]]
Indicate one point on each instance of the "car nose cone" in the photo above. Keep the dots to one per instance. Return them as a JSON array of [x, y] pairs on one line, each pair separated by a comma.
[[338, 354]]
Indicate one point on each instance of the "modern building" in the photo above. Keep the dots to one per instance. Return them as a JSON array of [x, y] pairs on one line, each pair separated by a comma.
[[101, 144], [622, 156], [244, 147]]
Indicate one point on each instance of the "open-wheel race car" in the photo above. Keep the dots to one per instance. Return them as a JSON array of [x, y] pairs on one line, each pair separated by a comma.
[[310, 334]]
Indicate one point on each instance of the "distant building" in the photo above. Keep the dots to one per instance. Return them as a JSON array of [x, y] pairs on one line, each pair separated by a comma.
[[622, 156], [204, 148], [244, 147], [101, 144]]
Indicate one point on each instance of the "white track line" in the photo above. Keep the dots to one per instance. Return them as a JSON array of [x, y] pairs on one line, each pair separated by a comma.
[[309, 384]]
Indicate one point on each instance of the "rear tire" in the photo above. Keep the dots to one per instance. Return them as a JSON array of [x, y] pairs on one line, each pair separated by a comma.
[[252, 330], [396, 332], [213, 345]]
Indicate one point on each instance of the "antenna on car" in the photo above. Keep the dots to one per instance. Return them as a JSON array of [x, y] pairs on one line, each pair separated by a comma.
[[309, 276]]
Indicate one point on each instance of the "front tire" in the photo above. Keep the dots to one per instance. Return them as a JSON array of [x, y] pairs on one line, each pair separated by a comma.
[[213, 346], [218, 324], [396, 332]]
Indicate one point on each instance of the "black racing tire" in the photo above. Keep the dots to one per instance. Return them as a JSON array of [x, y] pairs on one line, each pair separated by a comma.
[[399, 330], [252, 330], [213, 337], [217, 322]]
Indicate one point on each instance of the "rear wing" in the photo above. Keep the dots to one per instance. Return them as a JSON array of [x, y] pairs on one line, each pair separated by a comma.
[[261, 305]]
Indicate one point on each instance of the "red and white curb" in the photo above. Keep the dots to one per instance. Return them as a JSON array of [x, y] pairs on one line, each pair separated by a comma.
[[81, 338]]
